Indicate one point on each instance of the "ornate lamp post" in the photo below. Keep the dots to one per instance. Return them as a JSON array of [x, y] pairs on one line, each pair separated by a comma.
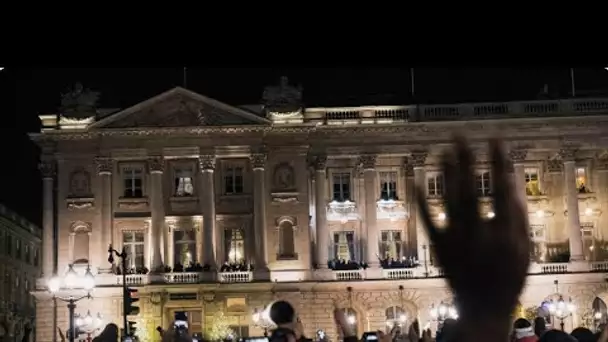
[[88, 324], [70, 283], [261, 318], [442, 312], [561, 309]]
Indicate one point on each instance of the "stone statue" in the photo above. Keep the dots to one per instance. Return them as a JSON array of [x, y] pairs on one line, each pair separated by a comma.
[[282, 99], [79, 103]]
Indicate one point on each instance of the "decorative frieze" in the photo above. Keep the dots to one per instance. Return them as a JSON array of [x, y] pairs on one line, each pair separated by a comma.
[[368, 161], [207, 162], [47, 168], [156, 164], [320, 162], [258, 161], [418, 158], [518, 155], [554, 166], [104, 165]]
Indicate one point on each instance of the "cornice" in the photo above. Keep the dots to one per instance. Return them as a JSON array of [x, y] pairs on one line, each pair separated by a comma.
[[560, 127]]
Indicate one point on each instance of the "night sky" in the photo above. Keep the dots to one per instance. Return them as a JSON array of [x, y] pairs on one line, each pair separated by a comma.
[[26, 93]]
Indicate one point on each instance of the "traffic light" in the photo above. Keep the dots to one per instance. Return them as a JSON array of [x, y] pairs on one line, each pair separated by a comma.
[[130, 298], [132, 328]]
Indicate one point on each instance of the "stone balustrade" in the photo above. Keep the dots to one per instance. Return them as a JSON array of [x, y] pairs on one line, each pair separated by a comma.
[[463, 111], [109, 280]]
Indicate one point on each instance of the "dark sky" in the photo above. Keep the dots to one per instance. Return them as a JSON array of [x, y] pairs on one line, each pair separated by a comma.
[[25, 93]]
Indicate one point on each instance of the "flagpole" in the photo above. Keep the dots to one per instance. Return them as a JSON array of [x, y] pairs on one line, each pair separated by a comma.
[[185, 79], [572, 84], [412, 86]]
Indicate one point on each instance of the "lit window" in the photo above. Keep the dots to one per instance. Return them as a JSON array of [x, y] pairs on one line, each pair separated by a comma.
[[532, 184], [133, 242], [183, 182], [435, 185], [235, 245], [341, 190], [184, 247], [581, 179], [482, 181], [388, 186], [344, 245], [390, 244]]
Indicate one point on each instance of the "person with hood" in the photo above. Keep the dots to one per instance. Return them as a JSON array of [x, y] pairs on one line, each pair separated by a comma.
[[108, 334], [523, 331]]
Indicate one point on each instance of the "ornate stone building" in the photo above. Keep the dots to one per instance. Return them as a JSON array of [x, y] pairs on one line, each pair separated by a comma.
[[186, 183], [20, 249]]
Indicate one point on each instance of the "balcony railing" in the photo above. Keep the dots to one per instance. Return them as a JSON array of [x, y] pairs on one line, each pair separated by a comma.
[[453, 112], [342, 211], [235, 277]]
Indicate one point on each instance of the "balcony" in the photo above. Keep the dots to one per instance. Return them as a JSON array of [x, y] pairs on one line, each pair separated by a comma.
[[236, 277], [342, 211], [349, 275], [391, 209], [455, 112], [183, 277]]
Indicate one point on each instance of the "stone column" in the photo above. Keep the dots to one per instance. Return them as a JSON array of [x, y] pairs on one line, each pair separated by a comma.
[[418, 160], [368, 162], [322, 233], [574, 226], [258, 164], [47, 169], [519, 176], [157, 166], [207, 196], [104, 172]]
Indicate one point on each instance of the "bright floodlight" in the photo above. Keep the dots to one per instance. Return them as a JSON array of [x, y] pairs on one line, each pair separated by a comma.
[[54, 284], [351, 319], [88, 282]]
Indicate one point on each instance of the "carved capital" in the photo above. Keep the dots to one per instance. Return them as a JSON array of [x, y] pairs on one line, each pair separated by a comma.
[[47, 168], [518, 155], [554, 166], [156, 164], [408, 168], [258, 161], [207, 162], [567, 154], [320, 162], [418, 158], [368, 161], [104, 165]]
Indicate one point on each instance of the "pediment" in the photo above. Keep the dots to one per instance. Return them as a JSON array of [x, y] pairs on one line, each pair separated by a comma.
[[180, 107]]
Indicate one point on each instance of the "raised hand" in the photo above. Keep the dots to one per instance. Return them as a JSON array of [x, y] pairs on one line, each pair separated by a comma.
[[485, 260]]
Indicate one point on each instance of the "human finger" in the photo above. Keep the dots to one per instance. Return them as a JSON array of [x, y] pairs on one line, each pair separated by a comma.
[[501, 191], [451, 191], [467, 195], [425, 216]]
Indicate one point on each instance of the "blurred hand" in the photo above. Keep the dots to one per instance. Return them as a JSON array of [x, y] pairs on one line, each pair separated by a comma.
[[485, 261], [344, 328]]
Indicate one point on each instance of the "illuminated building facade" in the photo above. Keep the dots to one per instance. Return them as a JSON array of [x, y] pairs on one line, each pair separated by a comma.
[[224, 208]]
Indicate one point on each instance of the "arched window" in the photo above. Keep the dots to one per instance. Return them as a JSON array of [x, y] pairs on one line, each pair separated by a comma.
[[599, 311], [395, 315], [352, 319], [286, 240]]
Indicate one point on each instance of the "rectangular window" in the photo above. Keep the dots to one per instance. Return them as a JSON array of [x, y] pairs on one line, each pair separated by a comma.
[[133, 242], [341, 184], [234, 245], [581, 180], [435, 185], [482, 181], [587, 229], [532, 184], [9, 245], [344, 246], [390, 244], [183, 182], [36, 257], [537, 242], [388, 185], [184, 247], [26, 254], [233, 180], [133, 182], [17, 248]]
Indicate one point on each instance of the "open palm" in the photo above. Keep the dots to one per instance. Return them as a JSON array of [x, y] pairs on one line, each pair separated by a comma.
[[485, 261]]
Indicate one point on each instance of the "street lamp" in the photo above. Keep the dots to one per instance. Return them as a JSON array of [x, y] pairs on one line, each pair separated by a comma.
[[70, 282], [88, 324], [561, 309], [261, 318], [443, 312]]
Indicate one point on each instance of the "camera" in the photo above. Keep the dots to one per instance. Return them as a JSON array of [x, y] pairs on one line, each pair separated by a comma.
[[180, 323]]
